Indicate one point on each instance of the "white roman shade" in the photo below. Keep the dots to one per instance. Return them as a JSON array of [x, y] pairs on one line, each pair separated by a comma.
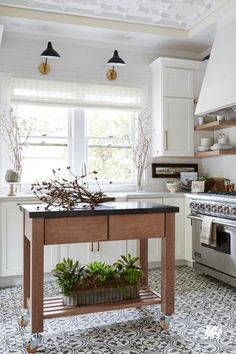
[[76, 94]]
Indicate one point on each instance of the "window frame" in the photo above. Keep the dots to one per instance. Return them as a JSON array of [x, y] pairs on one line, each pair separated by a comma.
[[78, 143], [68, 137], [102, 181]]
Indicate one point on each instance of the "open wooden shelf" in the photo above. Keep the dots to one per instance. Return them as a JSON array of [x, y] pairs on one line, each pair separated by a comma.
[[215, 153], [222, 124], [53, 306]]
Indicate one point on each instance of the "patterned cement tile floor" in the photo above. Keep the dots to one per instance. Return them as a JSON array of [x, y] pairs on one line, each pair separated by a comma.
[[204, 322]]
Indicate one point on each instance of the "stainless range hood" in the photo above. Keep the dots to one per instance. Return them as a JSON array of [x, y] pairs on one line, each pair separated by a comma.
[[218, 93]]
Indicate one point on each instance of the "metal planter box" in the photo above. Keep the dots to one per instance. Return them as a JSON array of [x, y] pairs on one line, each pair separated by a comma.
[[101, 295]]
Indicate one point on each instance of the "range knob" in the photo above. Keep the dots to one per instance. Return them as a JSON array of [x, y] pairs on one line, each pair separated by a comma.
[[227, 210], [201, 206], [207, 207], [214, 208], [194, 205], [220, 209], [233, 210]]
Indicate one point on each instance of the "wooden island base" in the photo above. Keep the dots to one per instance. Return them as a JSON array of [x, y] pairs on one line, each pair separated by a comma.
[[125, 221]]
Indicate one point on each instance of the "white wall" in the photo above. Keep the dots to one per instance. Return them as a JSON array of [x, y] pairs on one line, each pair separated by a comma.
[[20, 56]]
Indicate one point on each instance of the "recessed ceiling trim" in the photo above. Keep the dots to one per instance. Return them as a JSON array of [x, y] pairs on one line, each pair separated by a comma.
[[11, 11], [218, 15]]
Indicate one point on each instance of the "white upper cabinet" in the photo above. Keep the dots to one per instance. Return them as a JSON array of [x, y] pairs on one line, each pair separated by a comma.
[[178, 126], [173, 94], [177, 82]]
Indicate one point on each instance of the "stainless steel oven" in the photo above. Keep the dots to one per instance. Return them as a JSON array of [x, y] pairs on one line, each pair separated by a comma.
[[219, 261]]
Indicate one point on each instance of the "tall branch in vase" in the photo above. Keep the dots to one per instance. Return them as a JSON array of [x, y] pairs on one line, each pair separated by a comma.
[[12, 134], [141, 145]]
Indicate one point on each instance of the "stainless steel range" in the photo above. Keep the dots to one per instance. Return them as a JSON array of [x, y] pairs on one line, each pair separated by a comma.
[[218, 261]]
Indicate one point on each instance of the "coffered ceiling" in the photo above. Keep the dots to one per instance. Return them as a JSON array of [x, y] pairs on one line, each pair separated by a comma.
[[183, 24], [169, 13]]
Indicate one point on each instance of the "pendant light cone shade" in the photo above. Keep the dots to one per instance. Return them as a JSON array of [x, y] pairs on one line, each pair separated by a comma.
[[116, 60], [50, 52], [44, 68]]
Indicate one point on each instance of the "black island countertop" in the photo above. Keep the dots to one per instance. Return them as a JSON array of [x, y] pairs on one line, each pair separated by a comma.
[[111, 208]]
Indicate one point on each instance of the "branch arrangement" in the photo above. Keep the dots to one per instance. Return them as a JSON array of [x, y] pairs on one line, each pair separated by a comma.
[[68, 194], [16, 142], [141, 146]]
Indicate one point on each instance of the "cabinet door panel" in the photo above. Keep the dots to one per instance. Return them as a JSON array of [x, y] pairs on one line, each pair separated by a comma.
[[179, 226], [177, 82], [178, 127], [51, 257], [82, 252], [109, 251], [12, 242]]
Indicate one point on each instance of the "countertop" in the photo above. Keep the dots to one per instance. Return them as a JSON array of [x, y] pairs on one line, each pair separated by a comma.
[[112, 208], [121, 196]]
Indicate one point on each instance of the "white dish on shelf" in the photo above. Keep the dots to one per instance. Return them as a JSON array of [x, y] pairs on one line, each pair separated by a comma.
[[203, 148], [219, 146], [173, 186], [206, 141]]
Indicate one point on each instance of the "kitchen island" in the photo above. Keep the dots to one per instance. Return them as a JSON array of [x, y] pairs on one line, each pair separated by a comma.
[[108, 222]]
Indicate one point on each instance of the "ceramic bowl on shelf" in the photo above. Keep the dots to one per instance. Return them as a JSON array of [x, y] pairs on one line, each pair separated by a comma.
[[203, 148], [206, 141], [219, 146], [173, 186]]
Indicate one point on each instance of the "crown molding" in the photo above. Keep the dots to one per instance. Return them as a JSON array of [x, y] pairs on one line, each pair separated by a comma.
[[11, 11]]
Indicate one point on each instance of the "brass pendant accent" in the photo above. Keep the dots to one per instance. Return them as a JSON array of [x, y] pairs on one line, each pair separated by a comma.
[[111, 74], [44, 68]]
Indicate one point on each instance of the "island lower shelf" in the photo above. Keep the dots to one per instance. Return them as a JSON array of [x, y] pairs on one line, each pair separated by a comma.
[[54, 307]]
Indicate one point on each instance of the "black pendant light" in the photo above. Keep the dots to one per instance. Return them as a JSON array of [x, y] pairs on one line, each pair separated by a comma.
[[49, 52], [114, 61]]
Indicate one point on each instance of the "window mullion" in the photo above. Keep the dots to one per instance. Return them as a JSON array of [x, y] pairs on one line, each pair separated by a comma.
[[78, 157]]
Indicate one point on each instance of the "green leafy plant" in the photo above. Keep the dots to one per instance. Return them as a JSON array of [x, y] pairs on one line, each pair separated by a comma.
[[71, 276], [129, 271], [101, 272], [68, 274], [127, 262]]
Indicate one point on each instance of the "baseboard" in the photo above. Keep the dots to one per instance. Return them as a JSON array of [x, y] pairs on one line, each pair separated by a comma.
[[17, 280], [178, 262]]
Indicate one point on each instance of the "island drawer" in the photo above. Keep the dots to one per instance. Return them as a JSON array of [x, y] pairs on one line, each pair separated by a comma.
[[75, 230], [139, 226]]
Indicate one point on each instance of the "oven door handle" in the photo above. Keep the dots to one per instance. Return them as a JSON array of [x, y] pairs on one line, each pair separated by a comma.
[[216, 221]]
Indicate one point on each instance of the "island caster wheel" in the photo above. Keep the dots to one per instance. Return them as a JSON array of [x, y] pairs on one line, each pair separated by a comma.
[[165, 322]]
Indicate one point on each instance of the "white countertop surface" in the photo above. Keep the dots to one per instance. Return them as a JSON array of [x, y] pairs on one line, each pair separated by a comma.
[[21, 197]]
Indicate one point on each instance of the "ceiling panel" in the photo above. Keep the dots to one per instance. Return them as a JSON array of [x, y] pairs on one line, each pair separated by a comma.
[[182, 14]]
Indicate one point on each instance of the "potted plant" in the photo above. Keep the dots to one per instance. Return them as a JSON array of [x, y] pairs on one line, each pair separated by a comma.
[[98, 282], [15, 133], [68, 274], [12, 177]]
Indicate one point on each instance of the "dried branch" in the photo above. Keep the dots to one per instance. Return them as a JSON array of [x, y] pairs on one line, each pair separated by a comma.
[[141, 146], [16, 142], [68, 194]]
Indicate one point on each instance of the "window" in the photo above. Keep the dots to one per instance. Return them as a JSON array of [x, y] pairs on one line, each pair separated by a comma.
[[105, 133], [108, 134], [76, 123], [48, 142]]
